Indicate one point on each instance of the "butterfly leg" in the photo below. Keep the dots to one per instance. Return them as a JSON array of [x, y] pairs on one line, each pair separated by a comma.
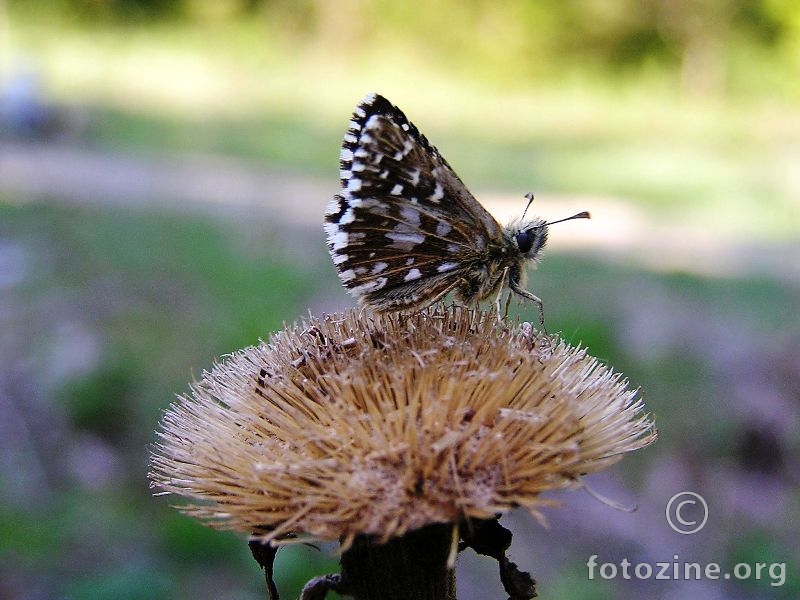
[[518, 289], [501, 289], [508, 303]]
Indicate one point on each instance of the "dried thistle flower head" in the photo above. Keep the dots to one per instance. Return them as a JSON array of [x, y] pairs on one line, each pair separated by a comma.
[[379, 425]]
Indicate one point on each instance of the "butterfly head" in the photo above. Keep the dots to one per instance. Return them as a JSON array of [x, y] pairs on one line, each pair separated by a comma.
[[531, 238]]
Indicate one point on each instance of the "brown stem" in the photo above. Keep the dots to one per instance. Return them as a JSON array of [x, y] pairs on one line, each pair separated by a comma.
[[410, 566]]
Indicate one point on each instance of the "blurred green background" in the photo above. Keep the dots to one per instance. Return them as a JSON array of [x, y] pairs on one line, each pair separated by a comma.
[[164, 167]]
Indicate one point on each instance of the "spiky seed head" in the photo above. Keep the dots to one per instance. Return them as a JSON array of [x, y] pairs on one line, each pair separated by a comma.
[[381, 424]]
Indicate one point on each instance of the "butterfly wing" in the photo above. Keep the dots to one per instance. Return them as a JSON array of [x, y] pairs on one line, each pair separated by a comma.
[[404, 226]]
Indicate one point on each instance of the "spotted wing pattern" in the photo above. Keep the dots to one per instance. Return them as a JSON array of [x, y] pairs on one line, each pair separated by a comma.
[[403, 229]]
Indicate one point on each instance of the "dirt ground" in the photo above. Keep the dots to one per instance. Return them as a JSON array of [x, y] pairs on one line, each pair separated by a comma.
[[31, 171]]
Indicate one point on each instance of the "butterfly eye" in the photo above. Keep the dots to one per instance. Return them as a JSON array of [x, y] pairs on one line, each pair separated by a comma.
[[524, 241]]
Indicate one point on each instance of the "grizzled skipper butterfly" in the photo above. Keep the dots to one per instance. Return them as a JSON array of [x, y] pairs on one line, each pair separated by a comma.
[[405, 231]]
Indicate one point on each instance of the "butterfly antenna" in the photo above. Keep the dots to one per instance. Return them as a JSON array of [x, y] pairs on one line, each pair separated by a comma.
[[529, 196], [581, 215]]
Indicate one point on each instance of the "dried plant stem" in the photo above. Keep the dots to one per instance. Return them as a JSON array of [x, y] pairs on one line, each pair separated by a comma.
[[414, 565]]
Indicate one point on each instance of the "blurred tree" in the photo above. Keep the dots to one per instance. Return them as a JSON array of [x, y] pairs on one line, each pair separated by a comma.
[[698, 30], [98, 11], [701, 41]]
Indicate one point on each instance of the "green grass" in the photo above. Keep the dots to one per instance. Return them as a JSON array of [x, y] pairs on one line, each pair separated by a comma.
[[274, 138], [159, 296], [162, 295], [723, 184], [236, 88]]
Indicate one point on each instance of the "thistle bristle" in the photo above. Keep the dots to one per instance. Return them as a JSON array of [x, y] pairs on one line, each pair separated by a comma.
[[356, 424]]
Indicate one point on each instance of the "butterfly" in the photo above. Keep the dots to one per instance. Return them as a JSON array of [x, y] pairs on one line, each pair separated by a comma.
[[404, 231]]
